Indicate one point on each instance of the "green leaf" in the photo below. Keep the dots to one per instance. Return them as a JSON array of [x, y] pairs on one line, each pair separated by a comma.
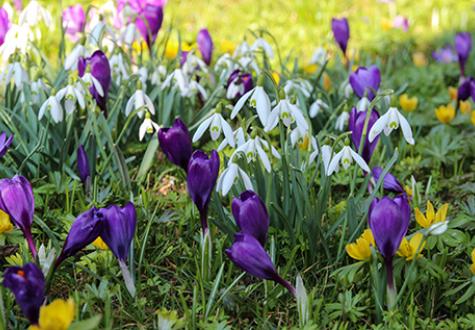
[[148, 158], [89, 324]]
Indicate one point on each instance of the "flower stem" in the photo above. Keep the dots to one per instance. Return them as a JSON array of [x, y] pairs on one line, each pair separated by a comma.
[[287, 285], [390, 287], [31, 243]]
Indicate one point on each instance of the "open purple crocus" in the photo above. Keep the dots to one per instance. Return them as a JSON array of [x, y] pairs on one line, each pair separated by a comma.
[[366, 81], [356, 125], [390, 182]]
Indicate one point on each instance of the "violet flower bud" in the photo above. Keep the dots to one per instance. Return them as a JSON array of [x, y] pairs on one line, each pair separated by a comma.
[[201, 179], [176, 143], [251, 215], [341, 32], [4, 24], [463, 46], [356, 125], [74, 21], [28, 286], [83, 165], [5, 143], [17, 200], [249, 255], [366, 80], [466, 89], [390, 183], [205, 45]]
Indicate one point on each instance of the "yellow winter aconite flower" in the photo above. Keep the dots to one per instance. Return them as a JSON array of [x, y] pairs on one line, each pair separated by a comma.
[[409, 248], [327, 83], [227, 46], [276, 77], [431, 216], [407, 103], [310, 68], [100, 244], [472, 267], [361, 249], [465, 107], [5, 223], [419, 59], [386, 24], [453, 93], [445, 113], [56, 316], [473, 117], [173, 47], [408, 191]]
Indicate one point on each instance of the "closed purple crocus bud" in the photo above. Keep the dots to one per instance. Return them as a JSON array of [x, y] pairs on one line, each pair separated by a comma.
[[74, 21], [366, 81], [17, 200], [463, 46], [28, 286], [18, 4], [149, 22], [466, 89], [201, 179], [445, 55], [84, 230], [249, 255], [401, 22], [176, 143], [5, 143], [4, 24], [341, 32], [83, 165], [239, 83], [390, 183], [205, 45], [356, 125], [251, 215], [119, 229]]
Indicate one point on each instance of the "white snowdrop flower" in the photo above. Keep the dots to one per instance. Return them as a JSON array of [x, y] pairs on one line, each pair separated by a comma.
[[17, 39], [345, 158], [438, 228], [297, 135], [261, 44], [16, 72], [248, 63], [229, 176], [142, 72], [53, 106], [390, 121], [298, 86], [288, 113], [148, 126], [73, 94], [98, 33], [319, 56], [118, 67], [182, 82], [159, 75], [346, 89], [256, 146], [242, 49], [341, 121], [327, 155], [71, 61], [139, 101], [225, 65], [192, 63], [38, 90], [363, 104], [35, 13], [90, 80], [239, 138], [216, 124], [258, 100], [315, 150], [316, 107], [130, 34]]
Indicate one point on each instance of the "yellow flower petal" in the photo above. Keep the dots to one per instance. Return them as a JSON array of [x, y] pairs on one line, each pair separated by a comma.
[[407, 103], [100, 244], [419, 59], [310, 68], [421, 219], [417, 244], [430, 213], [453, 93], [360, 250], [56, 316], [227, 46], [473, 256], [472, 118], [276, 77], [404, 249], [5, 223], [445, 114], [465, 107], [442, 213], [368, 236], [472, 268]]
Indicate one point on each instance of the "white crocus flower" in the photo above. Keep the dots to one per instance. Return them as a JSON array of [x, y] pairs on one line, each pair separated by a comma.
[[139, 101], [258, 100], [53, 106], [288, 113], [229, 175], [341, 121], [238, 137], [316, 107], [148, 126], [319, 56], [33, 14], [363, 104], [345, 157], [73, 94], [90, 80], [118, 67], [256, 146], [16, 72], [390, 121], [71, 61], [216, 124], [261, 44]]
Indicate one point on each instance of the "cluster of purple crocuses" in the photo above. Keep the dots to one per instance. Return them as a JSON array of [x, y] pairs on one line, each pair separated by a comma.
[[114, 224]]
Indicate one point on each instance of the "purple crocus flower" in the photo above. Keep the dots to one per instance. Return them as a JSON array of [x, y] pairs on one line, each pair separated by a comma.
[[74, 21], [401, 22], [83, 165], [390, 182], [201, 179], [18, 4], [445, 55], [149, 22], [84, 230], [366, 80], [251, 215], [205, 45], [249, 255], [463, 46], [341, 32], [239, 83], [5, 143], [28, 286], [388, 220], [176, 143], [4, 24], [17, 200], [100, 69], [356, 125], [466, 89]]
